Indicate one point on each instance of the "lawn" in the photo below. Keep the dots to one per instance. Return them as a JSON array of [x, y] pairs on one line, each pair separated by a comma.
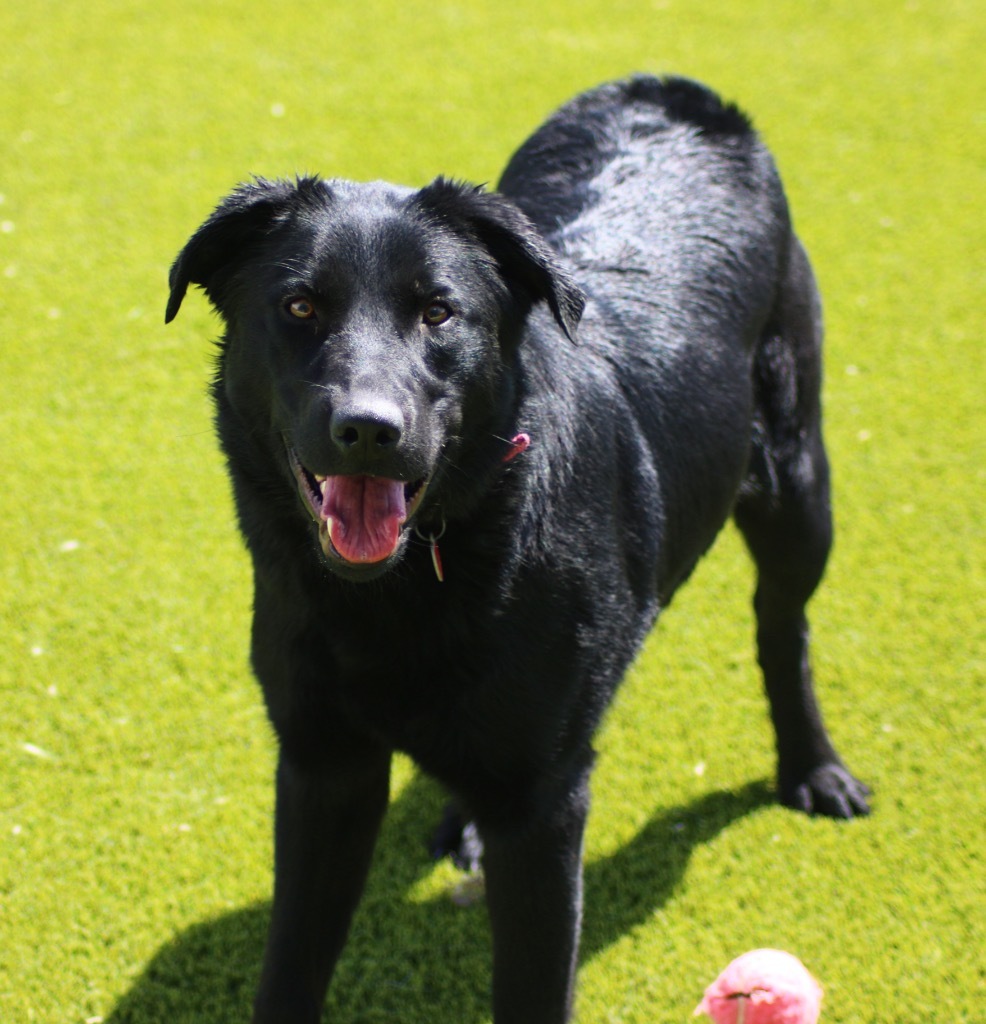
[[135, 757]]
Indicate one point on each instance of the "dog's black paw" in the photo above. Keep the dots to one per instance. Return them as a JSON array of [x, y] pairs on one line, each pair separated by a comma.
[[458, 840], [830, 790]]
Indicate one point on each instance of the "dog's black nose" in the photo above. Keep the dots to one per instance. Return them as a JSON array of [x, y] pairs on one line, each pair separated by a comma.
[[367, 429]]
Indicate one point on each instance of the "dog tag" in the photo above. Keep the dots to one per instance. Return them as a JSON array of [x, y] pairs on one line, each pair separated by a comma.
[[436, 558], [436, 555]]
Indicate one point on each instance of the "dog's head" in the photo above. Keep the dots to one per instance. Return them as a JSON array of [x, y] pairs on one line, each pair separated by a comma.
[[370, 337]]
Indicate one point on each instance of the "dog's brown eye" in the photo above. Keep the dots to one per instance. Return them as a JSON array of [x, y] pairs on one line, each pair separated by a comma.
[[436, 313], [301, 308]]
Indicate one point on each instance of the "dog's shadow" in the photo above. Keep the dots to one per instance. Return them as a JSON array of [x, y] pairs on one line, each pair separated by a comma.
[[417, 958]]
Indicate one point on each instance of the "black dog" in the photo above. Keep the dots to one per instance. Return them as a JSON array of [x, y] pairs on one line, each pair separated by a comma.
[[476, 441]]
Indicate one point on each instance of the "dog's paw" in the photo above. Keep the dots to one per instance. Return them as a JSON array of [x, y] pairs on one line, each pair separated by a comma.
[[830, 790], [457, 840]]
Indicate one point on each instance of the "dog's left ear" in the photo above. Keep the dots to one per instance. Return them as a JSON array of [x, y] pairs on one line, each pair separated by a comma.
[[523, 256]]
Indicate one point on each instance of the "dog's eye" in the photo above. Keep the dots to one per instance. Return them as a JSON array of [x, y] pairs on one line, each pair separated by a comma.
[[436, 313], [300, 307]]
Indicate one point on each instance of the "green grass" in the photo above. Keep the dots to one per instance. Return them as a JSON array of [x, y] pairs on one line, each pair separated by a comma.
[[135, 758]]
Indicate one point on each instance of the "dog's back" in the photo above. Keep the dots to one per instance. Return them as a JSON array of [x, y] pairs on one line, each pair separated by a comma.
[[671, 211], [644, 176]]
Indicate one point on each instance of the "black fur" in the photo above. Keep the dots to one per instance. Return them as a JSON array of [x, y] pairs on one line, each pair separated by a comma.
[[411, 335]]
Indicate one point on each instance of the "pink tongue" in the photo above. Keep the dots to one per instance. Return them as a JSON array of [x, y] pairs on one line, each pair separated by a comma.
[[363, 516]]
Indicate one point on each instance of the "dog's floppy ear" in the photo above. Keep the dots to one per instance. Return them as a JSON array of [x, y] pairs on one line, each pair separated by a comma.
[[522, 255], [246, 214]]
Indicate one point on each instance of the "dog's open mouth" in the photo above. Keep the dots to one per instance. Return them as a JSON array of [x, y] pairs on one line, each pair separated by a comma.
[[360, 518]]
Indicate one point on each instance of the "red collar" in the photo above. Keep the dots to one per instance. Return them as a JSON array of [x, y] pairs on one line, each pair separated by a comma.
[[518, 444]]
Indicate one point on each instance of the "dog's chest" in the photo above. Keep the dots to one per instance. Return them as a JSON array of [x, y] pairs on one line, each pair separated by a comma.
[[446, 691]]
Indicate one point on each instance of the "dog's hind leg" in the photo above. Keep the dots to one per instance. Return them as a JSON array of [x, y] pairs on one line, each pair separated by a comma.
[[458, 839], [784, 514]]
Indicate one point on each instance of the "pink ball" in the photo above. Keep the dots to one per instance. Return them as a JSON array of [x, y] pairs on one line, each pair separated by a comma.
[[765, 986]]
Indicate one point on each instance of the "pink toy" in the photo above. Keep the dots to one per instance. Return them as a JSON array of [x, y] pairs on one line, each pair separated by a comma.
[[765, 986]]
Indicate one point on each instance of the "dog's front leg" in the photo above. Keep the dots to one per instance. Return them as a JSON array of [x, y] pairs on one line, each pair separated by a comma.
[[534, 894], [326, 823]]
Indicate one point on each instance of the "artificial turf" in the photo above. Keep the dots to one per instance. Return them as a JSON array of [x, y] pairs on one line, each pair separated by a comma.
[[135, 758]]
